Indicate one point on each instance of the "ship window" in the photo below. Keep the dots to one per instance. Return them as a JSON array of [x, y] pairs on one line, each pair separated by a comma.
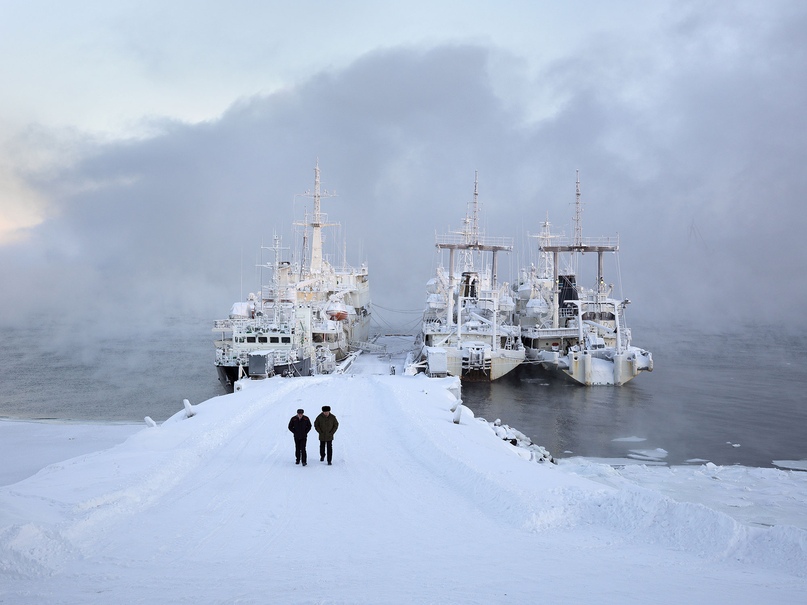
[[285, 340], [274, 340], [250, 339], [262, 339], [317, 337]]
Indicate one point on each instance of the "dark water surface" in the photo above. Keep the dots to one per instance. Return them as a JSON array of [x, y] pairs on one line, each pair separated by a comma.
[[730, 398], [717, 397]]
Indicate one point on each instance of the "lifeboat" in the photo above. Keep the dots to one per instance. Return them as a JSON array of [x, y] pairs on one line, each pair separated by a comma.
[[336, 312]]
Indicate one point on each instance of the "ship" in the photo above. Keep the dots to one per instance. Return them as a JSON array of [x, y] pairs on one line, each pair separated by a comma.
[[310, 318], [467, 328], [565, 327]]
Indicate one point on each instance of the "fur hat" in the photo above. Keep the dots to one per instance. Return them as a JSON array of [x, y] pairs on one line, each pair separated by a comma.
[[326, 408], [300, 411]]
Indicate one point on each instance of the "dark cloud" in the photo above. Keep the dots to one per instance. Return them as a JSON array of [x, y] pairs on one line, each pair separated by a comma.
[[691, 151]]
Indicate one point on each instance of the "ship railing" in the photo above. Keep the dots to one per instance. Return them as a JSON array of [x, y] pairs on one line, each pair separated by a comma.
[[552, 333], [588, 242], [434, 326], [460, 239], [263, 324]]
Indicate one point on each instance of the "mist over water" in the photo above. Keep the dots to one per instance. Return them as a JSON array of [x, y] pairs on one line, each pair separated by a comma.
[[112, 378]]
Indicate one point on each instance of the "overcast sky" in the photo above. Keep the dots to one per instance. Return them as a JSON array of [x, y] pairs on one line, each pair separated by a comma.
[[148, 149]]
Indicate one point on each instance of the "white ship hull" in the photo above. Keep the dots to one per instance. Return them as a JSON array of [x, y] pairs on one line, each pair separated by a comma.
[[593, 370]]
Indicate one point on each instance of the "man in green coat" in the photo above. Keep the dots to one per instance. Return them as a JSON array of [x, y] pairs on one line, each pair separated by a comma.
[[326, 425]]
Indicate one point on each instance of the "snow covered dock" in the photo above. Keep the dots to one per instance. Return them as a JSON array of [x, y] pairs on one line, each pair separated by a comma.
[[416, 509]]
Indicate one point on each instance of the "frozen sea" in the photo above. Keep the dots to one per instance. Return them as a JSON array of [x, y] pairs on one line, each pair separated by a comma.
[[724, 397]]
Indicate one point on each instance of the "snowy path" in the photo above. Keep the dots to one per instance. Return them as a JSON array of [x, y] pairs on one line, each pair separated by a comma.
[[415, 509]]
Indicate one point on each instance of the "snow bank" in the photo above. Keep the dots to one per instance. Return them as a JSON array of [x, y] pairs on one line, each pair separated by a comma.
[[27, 447]]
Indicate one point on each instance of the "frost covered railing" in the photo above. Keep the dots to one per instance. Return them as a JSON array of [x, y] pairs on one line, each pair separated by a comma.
[[462, 239], [263, 324], [585, 242]]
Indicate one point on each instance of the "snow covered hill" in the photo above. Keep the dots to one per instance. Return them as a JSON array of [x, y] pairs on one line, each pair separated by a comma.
[[415, 509]]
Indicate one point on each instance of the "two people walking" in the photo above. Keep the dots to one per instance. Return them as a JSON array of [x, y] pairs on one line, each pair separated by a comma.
[[325, 424]]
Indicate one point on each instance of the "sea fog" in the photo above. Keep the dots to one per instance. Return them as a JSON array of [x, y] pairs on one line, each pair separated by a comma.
[[726, 397]]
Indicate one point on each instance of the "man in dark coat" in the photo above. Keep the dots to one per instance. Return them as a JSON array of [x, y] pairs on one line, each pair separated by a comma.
[[300, 425], [326, 425]]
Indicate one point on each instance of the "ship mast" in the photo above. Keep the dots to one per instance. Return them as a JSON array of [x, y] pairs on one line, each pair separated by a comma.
[[470, 241], [545, 238], [318, 221], [274, 294], [580, 246], [578, 214], [475, 210], [470, 231], [303, 255], [578, 225]]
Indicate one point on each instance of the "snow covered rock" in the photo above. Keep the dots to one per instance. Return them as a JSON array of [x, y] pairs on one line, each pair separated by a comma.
[[520, 440]]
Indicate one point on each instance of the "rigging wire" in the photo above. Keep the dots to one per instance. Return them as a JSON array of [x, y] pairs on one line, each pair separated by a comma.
[[409, 322], [409, 311], [382, 322]]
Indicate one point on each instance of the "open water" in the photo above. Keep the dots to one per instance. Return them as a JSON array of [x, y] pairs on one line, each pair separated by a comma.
[[729, 398]]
